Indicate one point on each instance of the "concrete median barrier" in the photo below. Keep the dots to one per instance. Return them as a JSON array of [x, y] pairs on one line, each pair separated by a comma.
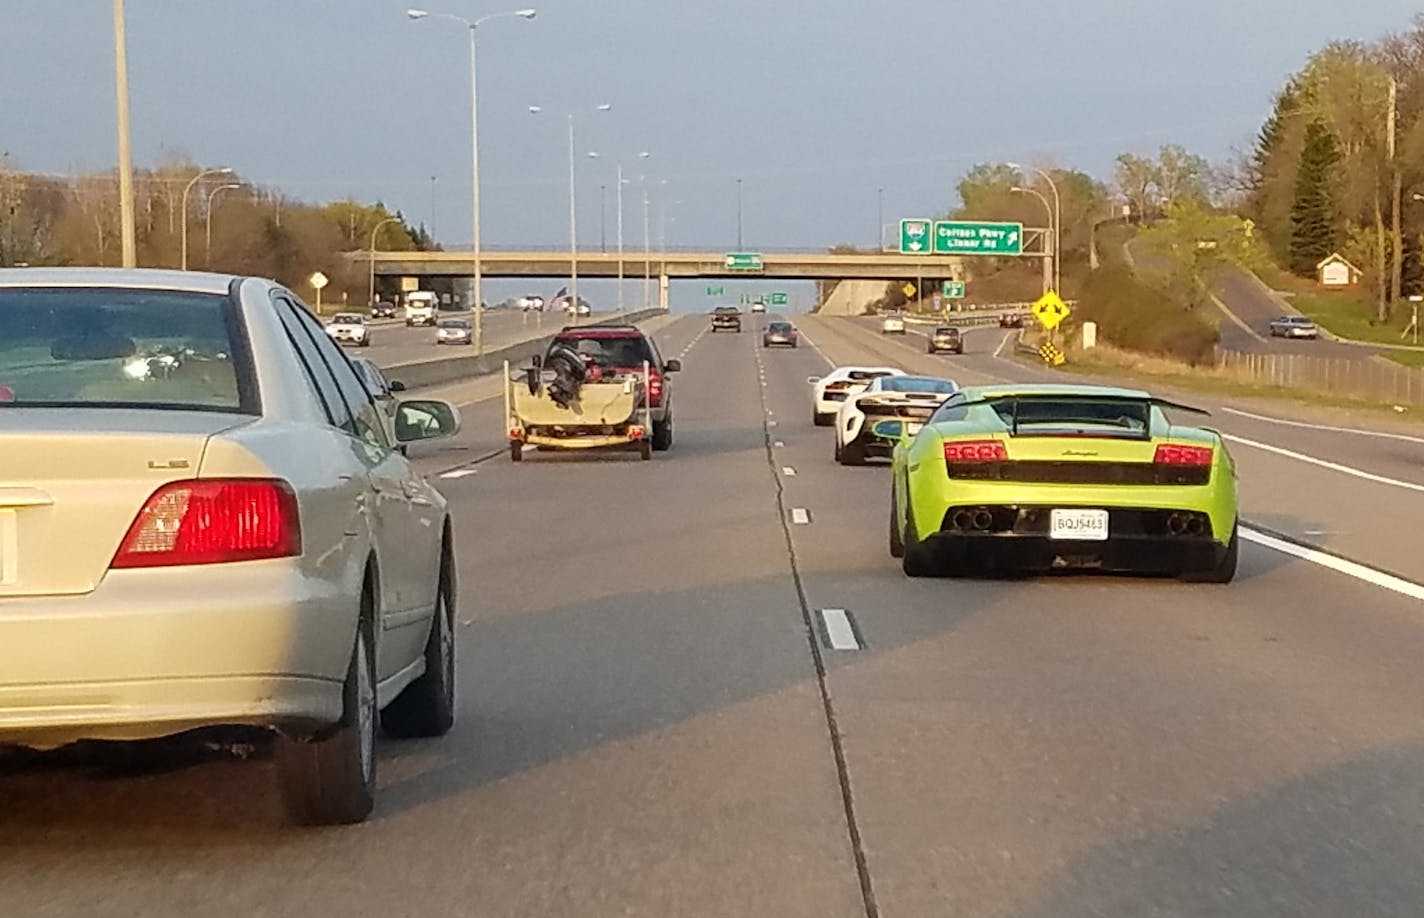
[[416, 374]]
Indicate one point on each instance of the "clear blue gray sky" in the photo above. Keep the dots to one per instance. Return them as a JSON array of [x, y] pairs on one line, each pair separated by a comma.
[[815, 104]]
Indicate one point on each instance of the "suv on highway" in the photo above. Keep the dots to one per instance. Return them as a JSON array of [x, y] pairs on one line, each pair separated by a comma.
[[727, 317], [624, 349]]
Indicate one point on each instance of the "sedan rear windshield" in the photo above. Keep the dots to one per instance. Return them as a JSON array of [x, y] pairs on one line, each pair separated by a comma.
[[101, 348]]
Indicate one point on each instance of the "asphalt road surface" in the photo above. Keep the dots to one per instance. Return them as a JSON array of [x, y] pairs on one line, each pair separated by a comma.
[[659, 716]]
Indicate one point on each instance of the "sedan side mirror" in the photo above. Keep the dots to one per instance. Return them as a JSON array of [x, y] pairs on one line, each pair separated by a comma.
[[426, 419], [397, 386], [672, 366], [812, 380]]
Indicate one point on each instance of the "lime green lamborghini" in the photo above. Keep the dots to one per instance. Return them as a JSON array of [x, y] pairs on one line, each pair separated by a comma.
[[1048, 477]]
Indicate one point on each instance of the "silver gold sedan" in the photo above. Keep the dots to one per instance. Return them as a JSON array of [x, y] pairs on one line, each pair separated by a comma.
[[205, 522]]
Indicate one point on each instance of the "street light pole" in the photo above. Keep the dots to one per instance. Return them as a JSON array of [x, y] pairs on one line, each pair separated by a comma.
[[739, 215], [208, 243], [647, 249], [183, 262], [1057, 216], [371, 295], [476, 271], [573, 205], [121, 90], [1048, 274], [880, 220]]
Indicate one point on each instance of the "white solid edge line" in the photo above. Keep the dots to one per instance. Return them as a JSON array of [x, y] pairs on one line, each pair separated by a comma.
[[1348, 568], [1350, 430], [788, 471], [1325, 464], [799, 516], [838, 629], [459, 473]]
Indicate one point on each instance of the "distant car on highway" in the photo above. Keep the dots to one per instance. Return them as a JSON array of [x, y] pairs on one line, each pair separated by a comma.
[[946, 338], [242, 543], [1059, 477], [349, 328], [1011, 320], [531, 303], [909, 397], [758, 306], [892, 325], [779, 332], [829, 391], [383, 310], [1294, 327], [726, 318], [454, 331], [624, 349]]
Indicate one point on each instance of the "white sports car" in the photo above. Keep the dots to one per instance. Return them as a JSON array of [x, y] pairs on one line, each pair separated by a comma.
[[908, 397], [837, 386], [892, 325]]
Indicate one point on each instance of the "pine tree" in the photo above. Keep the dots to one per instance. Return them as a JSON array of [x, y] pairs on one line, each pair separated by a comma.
[[1312, 216]]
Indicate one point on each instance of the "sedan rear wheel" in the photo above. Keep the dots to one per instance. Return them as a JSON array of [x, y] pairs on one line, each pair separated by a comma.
[[427, 706], [330, 779]]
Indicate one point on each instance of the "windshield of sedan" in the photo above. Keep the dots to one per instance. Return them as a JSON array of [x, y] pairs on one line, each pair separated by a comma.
[[91, 347]]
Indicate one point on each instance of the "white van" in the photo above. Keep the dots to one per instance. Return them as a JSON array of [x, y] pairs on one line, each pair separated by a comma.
[[420, 307]]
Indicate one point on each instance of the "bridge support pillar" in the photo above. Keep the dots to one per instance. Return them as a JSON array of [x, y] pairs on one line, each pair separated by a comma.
[[663, 291]]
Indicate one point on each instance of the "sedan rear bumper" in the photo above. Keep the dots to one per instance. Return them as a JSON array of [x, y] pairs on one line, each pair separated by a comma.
[[155, 652]]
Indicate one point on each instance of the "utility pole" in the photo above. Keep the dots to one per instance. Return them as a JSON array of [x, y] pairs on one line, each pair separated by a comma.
[[1396, 279], [121, 89]]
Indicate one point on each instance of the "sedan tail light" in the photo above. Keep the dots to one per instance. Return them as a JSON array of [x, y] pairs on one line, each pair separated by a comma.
[[213, 521], [1174, 454], [975, 451]]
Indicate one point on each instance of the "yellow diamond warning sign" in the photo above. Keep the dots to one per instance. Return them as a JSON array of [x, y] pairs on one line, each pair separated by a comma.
[[1050, 310], [909, 290]]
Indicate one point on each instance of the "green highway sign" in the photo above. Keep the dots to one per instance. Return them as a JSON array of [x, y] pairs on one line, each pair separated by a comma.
[[743, 261], [915, 237], [954, 290], [716, 291], [958, 237], [778, 299]]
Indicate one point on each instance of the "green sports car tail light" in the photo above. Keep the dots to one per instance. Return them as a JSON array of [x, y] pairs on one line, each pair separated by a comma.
[[956, 451], [1176, 454]]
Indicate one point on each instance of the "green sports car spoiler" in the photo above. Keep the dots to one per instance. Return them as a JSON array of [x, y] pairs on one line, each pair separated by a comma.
[[1016, 400]]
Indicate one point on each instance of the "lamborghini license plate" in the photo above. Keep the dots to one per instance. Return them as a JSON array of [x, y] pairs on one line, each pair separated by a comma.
[[1078, 525]]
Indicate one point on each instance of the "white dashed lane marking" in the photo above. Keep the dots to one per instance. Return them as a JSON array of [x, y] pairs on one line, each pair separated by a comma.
[[459, 473], [800, 516], [840, 631], [788, 471]]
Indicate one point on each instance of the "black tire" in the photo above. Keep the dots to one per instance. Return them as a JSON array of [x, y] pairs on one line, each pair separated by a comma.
[[793, 345], [645, 450], [662, 435], [897, 538], [920, 559], [516, 451], [822, 420], [836, 453], [1225, 570], [330, 779], [850, 454], [427, 706]]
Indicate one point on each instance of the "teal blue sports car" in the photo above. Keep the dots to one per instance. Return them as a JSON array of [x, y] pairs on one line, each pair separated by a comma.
[[1049, 477]]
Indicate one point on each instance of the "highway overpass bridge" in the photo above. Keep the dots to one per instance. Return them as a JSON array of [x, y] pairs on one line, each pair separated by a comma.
[[673, 265]]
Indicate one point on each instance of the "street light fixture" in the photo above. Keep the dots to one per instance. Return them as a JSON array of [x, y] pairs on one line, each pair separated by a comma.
[[183, 257], [621, 182], [477, 272], [208, 244], [1057, 216], [371, 288], [573, 204]]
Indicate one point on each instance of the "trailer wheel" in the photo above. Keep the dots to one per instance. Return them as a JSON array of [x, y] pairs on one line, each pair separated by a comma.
[[645, 449], [516, 451]]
